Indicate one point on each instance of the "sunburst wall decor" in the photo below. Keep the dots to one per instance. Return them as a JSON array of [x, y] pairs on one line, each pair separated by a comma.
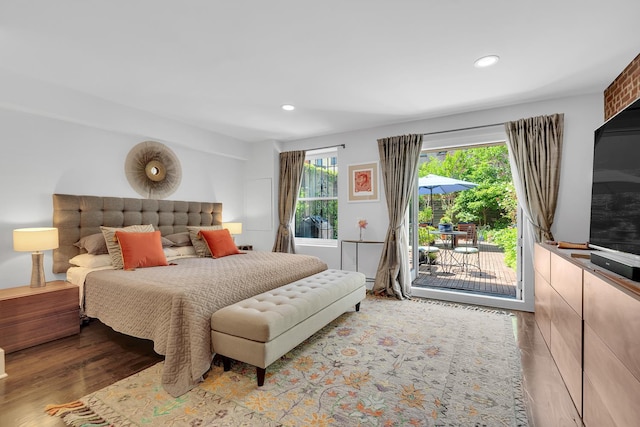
[[153, 170]]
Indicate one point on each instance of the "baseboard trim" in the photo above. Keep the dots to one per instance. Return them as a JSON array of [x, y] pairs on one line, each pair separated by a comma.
[[3, 374]]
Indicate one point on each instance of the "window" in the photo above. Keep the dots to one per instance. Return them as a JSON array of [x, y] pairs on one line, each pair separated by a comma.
[[317, 208]]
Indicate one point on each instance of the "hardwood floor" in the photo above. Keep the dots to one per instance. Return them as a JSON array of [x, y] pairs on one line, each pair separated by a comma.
[[69, 368]]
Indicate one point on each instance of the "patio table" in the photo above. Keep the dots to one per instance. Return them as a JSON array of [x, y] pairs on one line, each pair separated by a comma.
[[448, 260]]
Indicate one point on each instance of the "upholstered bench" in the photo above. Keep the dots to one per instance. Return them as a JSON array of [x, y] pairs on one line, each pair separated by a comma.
[[261, 329]]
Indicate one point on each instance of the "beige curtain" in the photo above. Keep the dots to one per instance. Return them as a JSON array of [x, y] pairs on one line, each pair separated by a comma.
[[399, 158], [291, 167], [535, 151]]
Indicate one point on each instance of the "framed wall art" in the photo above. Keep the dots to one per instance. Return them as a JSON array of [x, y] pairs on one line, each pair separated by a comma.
[[363, 182]]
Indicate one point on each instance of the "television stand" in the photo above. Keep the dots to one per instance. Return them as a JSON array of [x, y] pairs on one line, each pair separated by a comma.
[[584, 314]]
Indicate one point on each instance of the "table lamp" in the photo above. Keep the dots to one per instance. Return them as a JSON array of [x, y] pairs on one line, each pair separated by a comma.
[[35, 240], [233, 227]]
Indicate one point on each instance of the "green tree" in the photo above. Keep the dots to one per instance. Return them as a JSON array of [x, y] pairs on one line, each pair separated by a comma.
[[493, 202]]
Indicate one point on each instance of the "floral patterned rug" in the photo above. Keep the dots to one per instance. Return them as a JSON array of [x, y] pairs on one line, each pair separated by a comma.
[[394, 363]]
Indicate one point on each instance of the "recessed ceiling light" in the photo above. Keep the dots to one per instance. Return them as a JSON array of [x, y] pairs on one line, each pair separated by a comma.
[[486, 61], [288, 107]]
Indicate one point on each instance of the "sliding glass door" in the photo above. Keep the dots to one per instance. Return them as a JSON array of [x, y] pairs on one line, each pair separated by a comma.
[[478, 259]]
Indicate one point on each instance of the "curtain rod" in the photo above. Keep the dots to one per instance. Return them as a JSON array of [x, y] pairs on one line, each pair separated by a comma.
[[456, 130], [328, 146]]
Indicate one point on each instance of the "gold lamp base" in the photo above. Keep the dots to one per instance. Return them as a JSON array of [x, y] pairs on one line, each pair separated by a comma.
[[37, 270]]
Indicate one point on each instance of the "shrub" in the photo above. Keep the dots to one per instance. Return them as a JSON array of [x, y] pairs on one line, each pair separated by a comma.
[[507, 239], [445, 219], [424, 237], [425, 215]]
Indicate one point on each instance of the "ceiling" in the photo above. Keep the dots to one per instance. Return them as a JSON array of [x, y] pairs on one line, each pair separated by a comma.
[[228, 66]]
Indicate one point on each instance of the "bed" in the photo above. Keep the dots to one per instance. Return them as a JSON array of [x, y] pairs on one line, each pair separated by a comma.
[[170, 305]]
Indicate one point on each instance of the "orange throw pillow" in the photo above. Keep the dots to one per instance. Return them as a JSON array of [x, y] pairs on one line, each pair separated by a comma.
[[220, 242], [141, 249]]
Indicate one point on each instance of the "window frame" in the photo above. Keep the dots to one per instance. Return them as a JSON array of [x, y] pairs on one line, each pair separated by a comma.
[[312, 155]]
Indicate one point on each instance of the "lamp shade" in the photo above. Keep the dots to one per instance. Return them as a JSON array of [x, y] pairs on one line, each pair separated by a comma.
[[233, 227], [35, 239]]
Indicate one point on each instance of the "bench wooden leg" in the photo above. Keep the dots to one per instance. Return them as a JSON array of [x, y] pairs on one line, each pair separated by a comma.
[[260, 373], [358, 307], [226, 363]]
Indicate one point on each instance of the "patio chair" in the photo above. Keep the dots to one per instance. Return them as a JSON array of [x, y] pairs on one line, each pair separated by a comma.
[[466, 226], [469, 250]]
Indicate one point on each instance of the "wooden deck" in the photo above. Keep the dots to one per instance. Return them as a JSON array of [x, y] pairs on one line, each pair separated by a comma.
[[494, 278]]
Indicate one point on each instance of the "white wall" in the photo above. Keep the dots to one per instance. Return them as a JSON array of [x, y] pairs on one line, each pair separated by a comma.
[[582, 115], [261, 195], [75, 144]]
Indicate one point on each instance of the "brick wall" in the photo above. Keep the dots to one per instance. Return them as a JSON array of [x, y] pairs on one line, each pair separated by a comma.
[[624, 89]]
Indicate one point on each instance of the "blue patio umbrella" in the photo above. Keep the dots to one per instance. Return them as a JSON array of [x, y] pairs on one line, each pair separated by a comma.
[[436, 184]]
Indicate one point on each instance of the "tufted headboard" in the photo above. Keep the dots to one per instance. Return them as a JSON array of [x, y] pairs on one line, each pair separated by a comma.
[[79, 216]]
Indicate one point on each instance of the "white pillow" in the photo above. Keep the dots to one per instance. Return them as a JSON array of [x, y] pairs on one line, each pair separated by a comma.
[[170, 252], [91, 261], [181, 251], [178, 252]]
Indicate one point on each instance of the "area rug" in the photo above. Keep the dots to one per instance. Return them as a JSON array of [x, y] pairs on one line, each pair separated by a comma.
[[393, 363]]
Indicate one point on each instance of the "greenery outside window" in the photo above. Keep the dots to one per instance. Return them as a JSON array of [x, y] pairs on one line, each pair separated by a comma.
[[316, 219]]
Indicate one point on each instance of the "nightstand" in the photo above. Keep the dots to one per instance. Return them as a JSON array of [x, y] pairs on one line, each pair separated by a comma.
[[245, 247], [31, 316]]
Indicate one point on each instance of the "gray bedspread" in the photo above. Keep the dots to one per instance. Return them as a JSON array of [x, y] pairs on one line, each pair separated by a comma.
[[172, 305]]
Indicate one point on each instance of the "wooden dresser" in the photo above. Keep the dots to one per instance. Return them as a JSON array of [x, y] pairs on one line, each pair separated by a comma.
[[590, 320], [31, 316]]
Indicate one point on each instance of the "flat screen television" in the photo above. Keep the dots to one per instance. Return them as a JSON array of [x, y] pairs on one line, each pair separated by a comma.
[[615, 196]]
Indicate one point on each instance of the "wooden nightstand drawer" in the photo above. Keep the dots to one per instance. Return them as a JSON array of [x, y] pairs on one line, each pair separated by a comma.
[[31, 316], [25, 307], [39, 330]]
